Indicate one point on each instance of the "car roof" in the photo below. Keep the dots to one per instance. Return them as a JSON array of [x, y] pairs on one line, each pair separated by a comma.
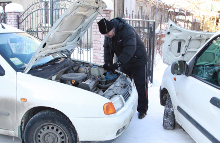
[[4, 28]]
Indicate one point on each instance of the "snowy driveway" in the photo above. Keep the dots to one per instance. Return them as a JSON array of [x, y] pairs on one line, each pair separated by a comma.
[[149, 129]]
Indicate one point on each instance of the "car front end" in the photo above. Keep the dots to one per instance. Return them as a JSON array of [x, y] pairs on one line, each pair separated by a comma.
[[109, 126], [97, 104], [99, 109]]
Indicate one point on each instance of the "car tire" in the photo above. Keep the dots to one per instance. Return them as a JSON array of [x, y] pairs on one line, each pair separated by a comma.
[[168, 117], [49, 126]]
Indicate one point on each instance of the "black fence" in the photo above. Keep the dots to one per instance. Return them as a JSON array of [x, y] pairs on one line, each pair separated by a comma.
[[146, 30], [39, 17]]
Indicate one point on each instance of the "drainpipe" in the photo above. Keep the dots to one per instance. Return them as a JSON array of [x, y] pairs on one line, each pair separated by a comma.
[[51, 13]]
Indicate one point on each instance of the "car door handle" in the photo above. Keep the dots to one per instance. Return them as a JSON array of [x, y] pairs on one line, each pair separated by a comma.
[[215, 101]]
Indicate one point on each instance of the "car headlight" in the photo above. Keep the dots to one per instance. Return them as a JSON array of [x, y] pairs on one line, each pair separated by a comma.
[[118, 102]]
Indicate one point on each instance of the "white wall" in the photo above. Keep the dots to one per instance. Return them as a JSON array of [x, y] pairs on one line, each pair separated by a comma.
[[130, 6]]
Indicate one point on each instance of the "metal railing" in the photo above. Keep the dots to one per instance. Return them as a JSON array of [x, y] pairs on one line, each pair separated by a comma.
[[39, 17], [146, 30]]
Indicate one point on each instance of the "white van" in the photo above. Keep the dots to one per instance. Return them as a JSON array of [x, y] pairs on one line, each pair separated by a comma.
[[190, 89]]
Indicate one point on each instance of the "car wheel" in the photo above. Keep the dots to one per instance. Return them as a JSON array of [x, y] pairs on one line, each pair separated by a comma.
[[168, 117], [49, 127]]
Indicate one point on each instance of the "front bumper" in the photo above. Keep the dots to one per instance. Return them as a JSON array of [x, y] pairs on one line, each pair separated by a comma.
[[110, 127]]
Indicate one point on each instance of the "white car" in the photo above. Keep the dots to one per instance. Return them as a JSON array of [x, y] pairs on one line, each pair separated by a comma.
[[48, 97], [190, 88]]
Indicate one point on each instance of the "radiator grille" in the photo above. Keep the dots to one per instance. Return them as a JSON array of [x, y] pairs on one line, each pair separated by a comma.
[[127, 93]]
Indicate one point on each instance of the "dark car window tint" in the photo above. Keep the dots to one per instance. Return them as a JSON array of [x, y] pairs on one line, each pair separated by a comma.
[[207, 66]]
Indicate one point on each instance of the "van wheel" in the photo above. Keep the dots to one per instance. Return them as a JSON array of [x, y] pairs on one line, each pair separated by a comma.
[[168, 116], [49, 127]]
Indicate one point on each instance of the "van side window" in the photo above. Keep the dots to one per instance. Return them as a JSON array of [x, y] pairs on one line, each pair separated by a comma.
[[207, 66]]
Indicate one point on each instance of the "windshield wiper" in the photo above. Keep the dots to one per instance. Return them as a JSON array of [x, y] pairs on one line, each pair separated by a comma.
[[21, 69], [51, 62]]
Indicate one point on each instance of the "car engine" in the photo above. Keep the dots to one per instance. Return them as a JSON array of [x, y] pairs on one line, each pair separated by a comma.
[[86, 76]]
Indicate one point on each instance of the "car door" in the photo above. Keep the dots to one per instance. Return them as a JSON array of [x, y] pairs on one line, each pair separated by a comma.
[[199, 94], [7, 96], [181, 43]]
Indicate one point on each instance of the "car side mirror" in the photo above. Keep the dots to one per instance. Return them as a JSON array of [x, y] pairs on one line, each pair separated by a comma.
[[2, 71], [178, 67]]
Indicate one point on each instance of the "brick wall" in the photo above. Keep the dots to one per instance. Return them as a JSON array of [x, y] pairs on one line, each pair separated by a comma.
[[13, 10], [98, 39], [12, 19]]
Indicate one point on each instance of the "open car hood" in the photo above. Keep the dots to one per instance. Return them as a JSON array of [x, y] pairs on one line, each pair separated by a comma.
[[181, 43], [68, 30]]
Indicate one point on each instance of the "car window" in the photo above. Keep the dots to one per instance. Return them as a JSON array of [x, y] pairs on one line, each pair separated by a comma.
[[207, 65], [18, 49]]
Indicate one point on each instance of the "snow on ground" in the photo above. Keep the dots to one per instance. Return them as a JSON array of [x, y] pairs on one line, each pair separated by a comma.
[[150, 129]]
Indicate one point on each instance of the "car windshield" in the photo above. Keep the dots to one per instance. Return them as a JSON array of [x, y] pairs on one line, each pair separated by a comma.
[[18, 48]]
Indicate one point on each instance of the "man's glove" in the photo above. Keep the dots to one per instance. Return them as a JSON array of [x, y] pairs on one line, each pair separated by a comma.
[[114, 66], [106, 66]]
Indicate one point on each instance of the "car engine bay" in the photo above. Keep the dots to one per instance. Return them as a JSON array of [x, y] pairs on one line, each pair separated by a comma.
[[86, 76]]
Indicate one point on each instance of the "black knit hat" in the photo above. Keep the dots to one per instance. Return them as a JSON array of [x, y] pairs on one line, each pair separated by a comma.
[[105, 26]]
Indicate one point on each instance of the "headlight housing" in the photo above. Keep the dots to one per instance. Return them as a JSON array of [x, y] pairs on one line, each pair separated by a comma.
[[118, 102]]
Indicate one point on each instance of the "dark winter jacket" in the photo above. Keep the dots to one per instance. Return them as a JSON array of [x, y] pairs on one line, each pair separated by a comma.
[[126, 44]]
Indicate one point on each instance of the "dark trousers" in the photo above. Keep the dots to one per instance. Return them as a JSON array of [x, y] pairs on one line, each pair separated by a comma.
[[140, 79]]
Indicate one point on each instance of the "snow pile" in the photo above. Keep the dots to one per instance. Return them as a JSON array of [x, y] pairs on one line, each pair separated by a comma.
[[14, 7]]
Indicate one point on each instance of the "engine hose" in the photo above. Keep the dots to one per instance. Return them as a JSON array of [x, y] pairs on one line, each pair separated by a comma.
[[101, 86]]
